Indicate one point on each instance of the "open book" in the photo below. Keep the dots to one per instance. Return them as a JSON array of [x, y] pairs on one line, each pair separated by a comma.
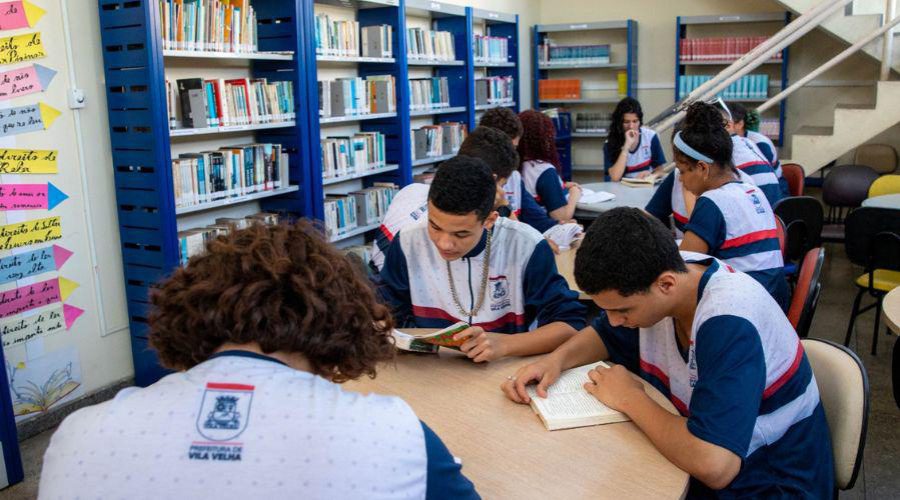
[[648, 181], [564, 234], [568, 405], [428, 340]]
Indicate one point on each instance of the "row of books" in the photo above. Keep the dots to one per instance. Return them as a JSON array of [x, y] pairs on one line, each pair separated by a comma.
[[193, 242], [230, 171], [357, 96], [437, 140], [199, 103], [208, 25], [429, 93], [360, 153], [347, 39], [550, 54], [494, 90], [559, 89], [726, 49], [593, 122], [747, 87], [490, 49], [344, 213], [562, 120], [430, 45]]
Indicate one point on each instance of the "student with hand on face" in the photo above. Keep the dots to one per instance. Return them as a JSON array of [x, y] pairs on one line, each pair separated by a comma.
[[750, 423], [465, 263], [631, 150], [262, 329], [540, 167], [745, 124]]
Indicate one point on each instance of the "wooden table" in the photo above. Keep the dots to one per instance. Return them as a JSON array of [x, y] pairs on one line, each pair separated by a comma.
[[504, 447], [565, 264], [891, 310], [626, 196]]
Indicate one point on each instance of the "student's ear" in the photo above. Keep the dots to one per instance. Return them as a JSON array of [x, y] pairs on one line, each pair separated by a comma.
[[704, 169], [666, 282], [491, 219]]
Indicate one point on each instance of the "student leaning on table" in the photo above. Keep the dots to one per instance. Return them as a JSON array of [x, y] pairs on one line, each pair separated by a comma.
[[265, 325], [464, 263], [715, 343]]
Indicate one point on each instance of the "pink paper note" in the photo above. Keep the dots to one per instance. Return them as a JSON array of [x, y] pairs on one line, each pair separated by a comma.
[[12, 15], [29, 297], [23, 196]]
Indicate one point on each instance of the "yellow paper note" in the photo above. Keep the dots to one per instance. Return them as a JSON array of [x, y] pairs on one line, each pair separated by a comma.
[[28, 161], [30, 232], [21, 48], [32, 12]]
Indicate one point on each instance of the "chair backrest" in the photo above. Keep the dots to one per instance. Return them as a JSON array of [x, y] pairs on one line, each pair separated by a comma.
[[844, 392], [806, 209], [847, 185], [795, 177], [879, 157], [802, 302], [886, 184], [865, 226], [782, 237], [798, 241]]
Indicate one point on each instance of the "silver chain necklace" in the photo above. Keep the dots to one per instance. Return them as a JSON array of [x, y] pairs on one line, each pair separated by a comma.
[[484, 280]]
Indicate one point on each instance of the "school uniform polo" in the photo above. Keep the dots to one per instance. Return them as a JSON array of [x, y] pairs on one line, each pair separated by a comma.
[[749, 159], [647, 155], [744, 384], [767, 148], [543, 182], [243, 425], [524, 289], [738, 225], [524, 206]]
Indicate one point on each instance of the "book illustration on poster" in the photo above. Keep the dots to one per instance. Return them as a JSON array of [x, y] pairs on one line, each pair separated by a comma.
[[568, 405], [28, 161], [35, 295], [19, 14], [30, 196], [40, 261], [56, 319], [30, 118], [24, 81], [31, 232], [39, 384], [21, 48]]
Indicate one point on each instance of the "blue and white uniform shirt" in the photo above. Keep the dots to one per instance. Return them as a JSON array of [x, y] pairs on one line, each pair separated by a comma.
[[513, 190], [409, 205], [647, 156], [767, 148], [749, 159], [543, 182]]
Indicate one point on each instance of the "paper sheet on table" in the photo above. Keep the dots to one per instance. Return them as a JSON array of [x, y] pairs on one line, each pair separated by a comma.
[[590, 197]]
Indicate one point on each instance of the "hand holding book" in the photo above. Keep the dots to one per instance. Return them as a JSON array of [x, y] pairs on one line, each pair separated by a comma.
[[614, 386]]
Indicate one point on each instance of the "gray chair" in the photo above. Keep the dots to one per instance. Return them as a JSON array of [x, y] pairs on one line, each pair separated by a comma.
[[845, 188]]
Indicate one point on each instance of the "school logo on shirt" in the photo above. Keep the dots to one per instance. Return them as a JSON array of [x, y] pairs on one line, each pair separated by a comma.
[[756, 203], [223, 416], [499, 289]]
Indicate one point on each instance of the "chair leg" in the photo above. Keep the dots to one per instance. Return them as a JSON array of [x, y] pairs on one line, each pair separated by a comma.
[[853, 314], [877, 324]]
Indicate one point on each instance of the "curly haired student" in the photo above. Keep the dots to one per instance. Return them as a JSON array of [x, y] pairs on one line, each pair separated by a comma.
[[262, 329], [540, 167]]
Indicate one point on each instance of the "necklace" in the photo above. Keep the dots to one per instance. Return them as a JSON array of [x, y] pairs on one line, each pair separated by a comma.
[[484, 279]]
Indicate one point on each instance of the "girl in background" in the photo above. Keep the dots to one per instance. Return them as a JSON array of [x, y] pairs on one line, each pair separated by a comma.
[[746, 124], [540, 167], [632, 150]]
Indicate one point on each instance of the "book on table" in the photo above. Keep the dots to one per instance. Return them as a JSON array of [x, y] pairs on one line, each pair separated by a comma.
[[648, 181], [568, 405], [428, 340]]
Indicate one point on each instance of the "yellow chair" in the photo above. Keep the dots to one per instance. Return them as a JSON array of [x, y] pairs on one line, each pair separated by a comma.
[[886, 184]]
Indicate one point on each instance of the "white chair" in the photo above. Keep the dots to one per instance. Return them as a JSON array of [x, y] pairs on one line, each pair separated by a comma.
[[844, 391]]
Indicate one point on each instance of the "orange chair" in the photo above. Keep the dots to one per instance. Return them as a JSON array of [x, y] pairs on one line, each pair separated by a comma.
[[806, 292], [782, 236], [795, 176]]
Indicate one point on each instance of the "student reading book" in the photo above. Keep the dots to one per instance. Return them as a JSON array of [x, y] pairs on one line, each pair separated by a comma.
[[464, 263], [631, 151], [540, 167], [712, 341]]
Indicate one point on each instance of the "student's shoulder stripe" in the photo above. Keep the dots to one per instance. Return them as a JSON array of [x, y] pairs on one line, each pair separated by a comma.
[[750, 238]]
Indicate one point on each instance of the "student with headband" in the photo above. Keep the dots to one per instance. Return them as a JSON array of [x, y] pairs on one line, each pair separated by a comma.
[[731, 220]]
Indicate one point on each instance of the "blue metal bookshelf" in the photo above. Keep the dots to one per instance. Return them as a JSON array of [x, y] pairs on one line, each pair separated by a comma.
[[622, 34], [775, 20], [134, 70], [497, 24]]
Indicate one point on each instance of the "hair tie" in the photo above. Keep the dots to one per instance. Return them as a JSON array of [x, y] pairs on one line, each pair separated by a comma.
[[693, 153]]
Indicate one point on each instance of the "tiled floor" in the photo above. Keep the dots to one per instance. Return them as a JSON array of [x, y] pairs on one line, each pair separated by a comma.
[[880, 475]]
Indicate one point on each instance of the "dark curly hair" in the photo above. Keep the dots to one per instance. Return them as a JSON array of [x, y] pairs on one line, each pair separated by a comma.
[[494, 147], [741, 114], [625, 250], [283, 287], [463, 185], [538, 138], [504, 120], [703, 129], [616, 138]]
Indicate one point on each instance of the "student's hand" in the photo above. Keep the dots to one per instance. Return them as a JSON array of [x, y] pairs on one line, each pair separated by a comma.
[[643, 174], [614, 387], [631, 138], [575, 192], [553, 246], [544, 372], [571, 184], [481, 346]]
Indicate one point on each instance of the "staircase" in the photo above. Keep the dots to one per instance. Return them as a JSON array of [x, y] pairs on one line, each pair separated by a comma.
[[815, 147]]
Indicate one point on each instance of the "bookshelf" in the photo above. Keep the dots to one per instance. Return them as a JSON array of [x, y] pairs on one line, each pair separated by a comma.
[[731, 36], [136, 66], [504, 26], [602, 80]]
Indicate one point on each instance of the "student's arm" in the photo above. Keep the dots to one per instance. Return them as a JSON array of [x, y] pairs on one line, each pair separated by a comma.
[[394, 289], [767, 152], [617, 170], [711, 443], [705, 232], [533, 214], [552, 196], [660, 205], [657, 155], [772, 192], [445, 477]]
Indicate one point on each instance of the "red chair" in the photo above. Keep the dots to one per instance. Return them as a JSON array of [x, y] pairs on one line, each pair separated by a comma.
[[806, 292], [795, 176], [782, 236]]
